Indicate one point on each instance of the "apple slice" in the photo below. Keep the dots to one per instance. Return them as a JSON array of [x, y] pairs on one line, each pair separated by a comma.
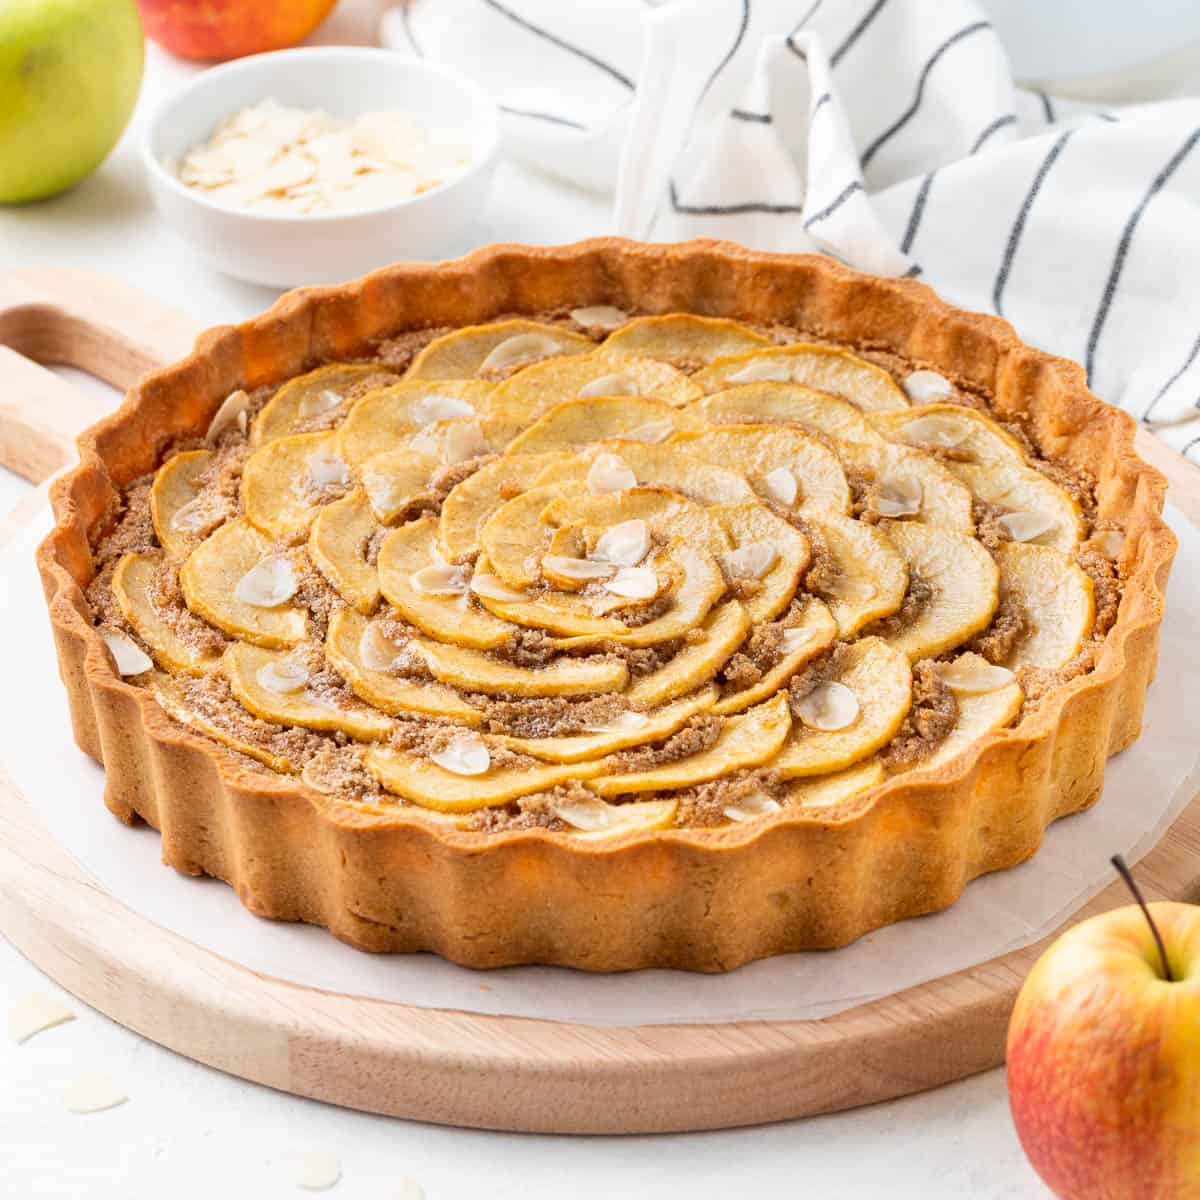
[[177, 523], [389, 693], [386, 419], [516, 536], [815, 631], [270, 684], [132, 587], [490, 349], [871, 577], [337, 544], [979, 712], [652, 727], [573, 424], [1055, 597], [812, 479], [212, 581], [824, 791], [749, 524], [825, 368], [403, 555], [301, 399], [787, 404], [285, 483], [880, 680], [963, 433], [397, 481], [424, 783], [909, 485], [682, 338], [698, 661], [1040, 511], [962, 584], [616, 820]]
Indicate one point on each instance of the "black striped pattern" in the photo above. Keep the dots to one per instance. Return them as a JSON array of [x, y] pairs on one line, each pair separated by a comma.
[[1148, 415]]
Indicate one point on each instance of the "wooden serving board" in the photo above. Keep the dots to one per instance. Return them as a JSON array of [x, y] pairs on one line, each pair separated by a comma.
[[438, 1065]]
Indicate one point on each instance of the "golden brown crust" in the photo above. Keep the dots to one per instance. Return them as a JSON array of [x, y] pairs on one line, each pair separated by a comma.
[[704, 899]]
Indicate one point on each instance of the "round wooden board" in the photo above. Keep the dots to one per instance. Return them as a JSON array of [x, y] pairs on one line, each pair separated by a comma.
[[507, 1073]]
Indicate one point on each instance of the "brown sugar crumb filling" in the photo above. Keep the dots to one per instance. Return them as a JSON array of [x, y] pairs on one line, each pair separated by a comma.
[[918, 595], [928, 723], [549, 716], [761, 651], [696, 736], [166, 596], [706, 803]]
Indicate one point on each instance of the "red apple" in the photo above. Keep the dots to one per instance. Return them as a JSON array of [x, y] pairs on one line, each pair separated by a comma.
[[1104, 1058], [220, 29]]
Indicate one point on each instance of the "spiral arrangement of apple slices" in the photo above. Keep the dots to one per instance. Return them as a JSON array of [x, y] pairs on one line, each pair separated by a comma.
[[677, 485]]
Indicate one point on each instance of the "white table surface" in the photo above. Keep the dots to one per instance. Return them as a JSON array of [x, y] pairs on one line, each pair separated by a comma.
[[188, 1131]]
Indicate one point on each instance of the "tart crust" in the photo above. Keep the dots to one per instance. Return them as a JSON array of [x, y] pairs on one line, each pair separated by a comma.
[[706, 899]]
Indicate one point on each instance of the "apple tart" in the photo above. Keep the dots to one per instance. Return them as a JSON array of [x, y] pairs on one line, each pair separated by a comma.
[[609, 606]]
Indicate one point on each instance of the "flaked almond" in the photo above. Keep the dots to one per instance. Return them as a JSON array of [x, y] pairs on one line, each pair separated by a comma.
[[484, 583], [283, 676], [1110, 542], [926, 387], [898, 496], [781, 486], [426, 442], [633, 583], [232, 412], [326, 469], [751, 561], [628, 721], [577, 568], [440, 579], [751, 807], [830, 706], [522, 347], [795, 639], [315, 404], [433, 408], [267, 584], [130, 658], [190, 517], [852, 588], [609, 473], [377, 651], [616, 384], [624, 545], [973, 675], [1026, 526], [940, 431], [463, 755], [588, 815], [774, 370], [651, 431], [464, 440], [599, 316]]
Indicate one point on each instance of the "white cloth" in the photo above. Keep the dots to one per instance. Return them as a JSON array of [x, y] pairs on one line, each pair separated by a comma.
[[888, 133]]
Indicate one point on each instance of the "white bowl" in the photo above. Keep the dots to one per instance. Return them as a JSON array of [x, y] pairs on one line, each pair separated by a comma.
[[284, 250]]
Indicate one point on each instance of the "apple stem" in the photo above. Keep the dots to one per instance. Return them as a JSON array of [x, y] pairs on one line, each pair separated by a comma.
[[1127, 875]]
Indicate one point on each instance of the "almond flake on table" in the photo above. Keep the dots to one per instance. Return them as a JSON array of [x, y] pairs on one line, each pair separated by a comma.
[[34, 1014], [93, 1092], [273, 159], [317, 1170]]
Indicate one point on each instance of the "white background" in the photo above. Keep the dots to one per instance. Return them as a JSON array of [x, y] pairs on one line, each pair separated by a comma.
[[187, 1131]]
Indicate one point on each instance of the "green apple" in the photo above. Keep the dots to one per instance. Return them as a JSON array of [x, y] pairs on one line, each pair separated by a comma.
[[70, 71]]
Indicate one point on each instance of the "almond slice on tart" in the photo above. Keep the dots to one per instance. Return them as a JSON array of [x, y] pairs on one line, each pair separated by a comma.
[[708, 649], [573, 424], [958, 433], [746, 740], [954, 588], [1036, 509], [303, 399], [986, 702], [682, 338], [784, 465], [490, 350], [814, 632], [614, 820], [470, 503], [880, 681], [862, 576], [338, 545], [349, 632], [824, 791], [651, 727], [750, 524], [904, 484], [220, 578], [1053, 598], [176, 511], [786, 404], [273, 687], [516, 536], [824, 368], [404, 554], [286, 482], [164, 632], [386, 419], [428, 785]]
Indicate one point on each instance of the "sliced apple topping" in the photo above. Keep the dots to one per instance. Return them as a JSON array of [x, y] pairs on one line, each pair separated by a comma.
[[361, 652], [491, 587], [899, 496], [605, 317], [396, 482], [863, 576], [164, 631], [683, 338], [338, 545], [515, 537], [981, 710], [634, 583], [1038, 509], [927, 387], [879, 681], [129, 657], [609, 473], [824, 368], [787, 404], [441, 579], [903, 483], [616, 384], [751, 524], [261, 682], [423, 782], [490, 349], [630, 728], [966, 433], [1054, 599], [573, 424], [236, 581], [1026, 526], [301, 399], [824, 791], [285, 483], [176, 509], [711, 646], [744, 741]]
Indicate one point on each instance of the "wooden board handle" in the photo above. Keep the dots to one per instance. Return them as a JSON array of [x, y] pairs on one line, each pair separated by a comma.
[[78, 319]]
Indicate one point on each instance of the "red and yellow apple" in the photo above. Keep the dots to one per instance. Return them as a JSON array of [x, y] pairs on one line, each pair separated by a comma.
[[1104, 1059], [221, 29]]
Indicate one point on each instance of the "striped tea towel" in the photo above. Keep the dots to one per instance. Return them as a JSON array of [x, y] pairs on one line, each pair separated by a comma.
[[888, 133]]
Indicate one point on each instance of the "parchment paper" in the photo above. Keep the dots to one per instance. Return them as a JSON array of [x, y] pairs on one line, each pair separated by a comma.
[[1147, 787]]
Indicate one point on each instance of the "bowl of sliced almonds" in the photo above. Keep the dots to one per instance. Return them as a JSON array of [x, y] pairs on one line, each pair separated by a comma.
[[315, 165]]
